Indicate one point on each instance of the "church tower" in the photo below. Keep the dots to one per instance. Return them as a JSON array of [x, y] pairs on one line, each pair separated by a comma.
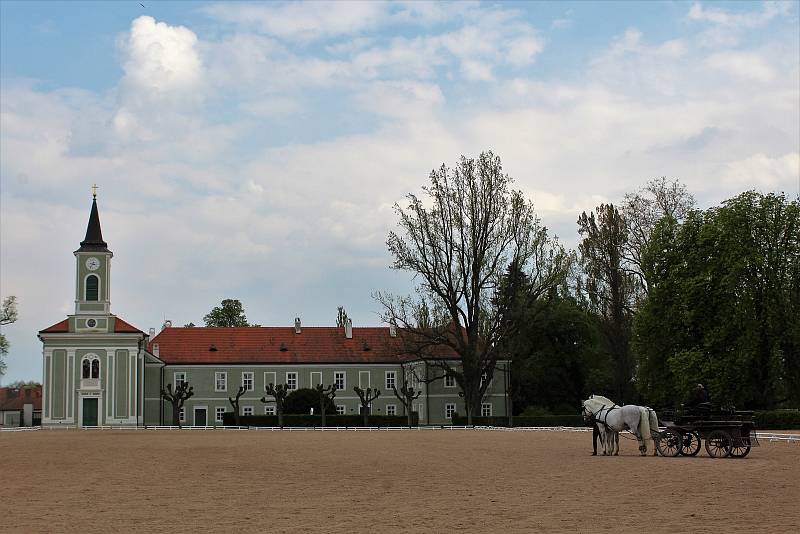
[[93, 277], [93, 360]]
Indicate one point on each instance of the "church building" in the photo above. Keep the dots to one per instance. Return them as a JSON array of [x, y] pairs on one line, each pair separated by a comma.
[[99, 370]]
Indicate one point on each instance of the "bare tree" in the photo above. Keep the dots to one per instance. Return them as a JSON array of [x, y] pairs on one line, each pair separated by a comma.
[[406, 395], [279, 393], [326, 396], [459, 242], [8, 315], [177, 398], [341, 316], [366, 397], [642, 210], [235, 403]]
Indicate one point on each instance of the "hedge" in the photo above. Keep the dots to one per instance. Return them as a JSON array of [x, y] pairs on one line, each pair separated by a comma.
[[777, 420], [519, 420], [316, 420]]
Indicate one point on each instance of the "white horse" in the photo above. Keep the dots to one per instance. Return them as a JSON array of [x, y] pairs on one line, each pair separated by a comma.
[[612, 419], [652, 421]]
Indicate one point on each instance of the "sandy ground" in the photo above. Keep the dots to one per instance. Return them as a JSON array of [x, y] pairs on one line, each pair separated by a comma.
[[431, 481]]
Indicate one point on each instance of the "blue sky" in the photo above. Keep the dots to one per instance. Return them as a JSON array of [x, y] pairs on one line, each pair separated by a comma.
[[255, 150]]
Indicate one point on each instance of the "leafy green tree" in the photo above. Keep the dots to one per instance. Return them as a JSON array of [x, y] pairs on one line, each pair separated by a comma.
[[723, 305], [229, 314], [612, 289], [457, 243], [301, 401], [8, 315]]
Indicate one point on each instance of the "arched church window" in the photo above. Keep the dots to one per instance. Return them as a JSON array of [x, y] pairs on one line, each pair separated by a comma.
[[92, 285], [86, 369], [95, 368]]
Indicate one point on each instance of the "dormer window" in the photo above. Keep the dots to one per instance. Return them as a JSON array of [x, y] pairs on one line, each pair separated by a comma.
[[92, 287], [283, 347], [212, 348]]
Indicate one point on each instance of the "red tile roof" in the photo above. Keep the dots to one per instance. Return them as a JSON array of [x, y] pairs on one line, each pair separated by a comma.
[[120, 327], [262, 345], [16, 398]]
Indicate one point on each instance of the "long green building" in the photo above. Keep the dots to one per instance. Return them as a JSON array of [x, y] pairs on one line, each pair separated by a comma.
[[100, 370]]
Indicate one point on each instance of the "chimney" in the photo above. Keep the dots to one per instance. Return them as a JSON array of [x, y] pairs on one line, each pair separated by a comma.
[[348, 328], [152, 332], [167, 324], [392, 330], [297, 325], [155, 350]]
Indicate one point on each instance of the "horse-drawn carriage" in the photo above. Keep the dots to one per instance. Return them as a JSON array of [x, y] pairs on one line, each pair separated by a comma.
[[725, 432]]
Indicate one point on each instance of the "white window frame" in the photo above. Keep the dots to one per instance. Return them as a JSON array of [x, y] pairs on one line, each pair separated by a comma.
[[484, 407], [219, 411], [341, 409], [484, 377], [393, 408], [390, 375], [313, 383], [245, 409], [296, 380], [336, 376], [220, 376], [269, 410], [270, 377], [360, 382], [182, 414], [449, 381], [175, 378], [449, 410], [252, 376]]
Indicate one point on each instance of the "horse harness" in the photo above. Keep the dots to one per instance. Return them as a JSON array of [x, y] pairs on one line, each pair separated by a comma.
[[603, 421]]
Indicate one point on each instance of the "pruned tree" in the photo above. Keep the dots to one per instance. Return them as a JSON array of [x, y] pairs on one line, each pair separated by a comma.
[[182, 393], [326, 396], [341, 316], [459, 242], [279, 393], [8, 315], [366, 397], [235, 403], [229, 313], [406, 395]]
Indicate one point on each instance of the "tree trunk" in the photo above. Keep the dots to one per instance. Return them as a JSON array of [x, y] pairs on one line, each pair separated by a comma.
[[410, 415], [365, 413], [280, 417], [323, 413], [176, 415]]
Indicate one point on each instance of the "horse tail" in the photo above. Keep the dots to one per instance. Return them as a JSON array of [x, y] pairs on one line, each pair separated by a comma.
[[644, 424]]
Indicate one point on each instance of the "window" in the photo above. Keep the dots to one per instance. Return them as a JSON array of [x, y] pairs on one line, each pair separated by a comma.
[[363, 379], [269, 378], [247, 410], [391, 409], [316, 379], [220, 381], [180, 378], [95, 368], [269, 410], [182, 414], [339, 380], [90, 367], [449, 381], [391, 379], [219, 412], [291, 381], [87, 366], [340, 409], [449, 410], [91, 323], [484, 378], [247, 380], [92, 287], [486, 409]]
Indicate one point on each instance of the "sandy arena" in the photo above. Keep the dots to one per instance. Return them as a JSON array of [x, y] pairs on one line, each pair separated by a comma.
[[426, 481]]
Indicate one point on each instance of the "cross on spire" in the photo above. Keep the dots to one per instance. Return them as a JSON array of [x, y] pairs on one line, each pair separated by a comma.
[[94, 190]]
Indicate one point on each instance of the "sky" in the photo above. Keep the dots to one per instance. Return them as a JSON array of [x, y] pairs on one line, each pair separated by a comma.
[[256, 150]]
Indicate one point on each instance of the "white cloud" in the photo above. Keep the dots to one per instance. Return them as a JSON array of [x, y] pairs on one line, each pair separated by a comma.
[[750, 19], [765, 173], [749, 65]]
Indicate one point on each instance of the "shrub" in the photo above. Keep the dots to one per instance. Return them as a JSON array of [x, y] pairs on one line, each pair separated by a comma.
[[520, 420], [300, 402], [316, 421], [777, 420]]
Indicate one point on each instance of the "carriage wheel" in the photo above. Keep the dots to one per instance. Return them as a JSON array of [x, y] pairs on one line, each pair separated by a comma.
[[740, 447], [719, 444], [691, 444], [668, 443]]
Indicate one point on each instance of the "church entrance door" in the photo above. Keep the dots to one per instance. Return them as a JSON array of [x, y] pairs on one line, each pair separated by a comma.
[[89, 412]]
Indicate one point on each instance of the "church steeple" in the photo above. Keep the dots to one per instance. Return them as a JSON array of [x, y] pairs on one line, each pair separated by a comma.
[[93, 242]]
